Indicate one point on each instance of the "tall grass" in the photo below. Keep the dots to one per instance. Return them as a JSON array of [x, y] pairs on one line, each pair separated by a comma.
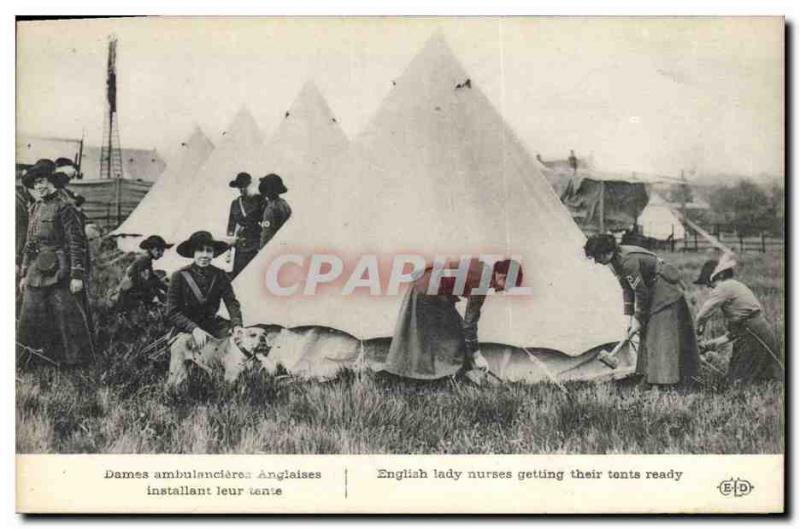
[[368, 414], [120, 405]]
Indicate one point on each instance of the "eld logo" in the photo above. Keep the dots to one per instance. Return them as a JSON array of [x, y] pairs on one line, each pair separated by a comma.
[[735, 487]]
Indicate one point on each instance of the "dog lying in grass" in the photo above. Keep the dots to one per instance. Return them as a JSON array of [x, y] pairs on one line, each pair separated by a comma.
[[231, 354]]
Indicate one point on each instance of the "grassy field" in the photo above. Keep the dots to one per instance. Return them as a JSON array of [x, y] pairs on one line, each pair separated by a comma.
[[119, 405]]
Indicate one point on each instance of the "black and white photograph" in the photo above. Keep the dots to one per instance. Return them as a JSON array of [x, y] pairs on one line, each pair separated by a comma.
[[401, 236]]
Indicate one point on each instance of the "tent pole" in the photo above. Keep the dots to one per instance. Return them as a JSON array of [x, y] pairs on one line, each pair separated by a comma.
[[119, 198], [602, 206], [80, 158]]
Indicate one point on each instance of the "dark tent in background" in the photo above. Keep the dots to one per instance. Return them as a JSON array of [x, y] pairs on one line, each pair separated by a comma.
[[110, 201], [603, 204]]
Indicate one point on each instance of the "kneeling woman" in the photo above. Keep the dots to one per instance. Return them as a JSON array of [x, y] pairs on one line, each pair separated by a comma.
[[195, 291], [667, 342], [140, 285], [755, 353], [431, 339]]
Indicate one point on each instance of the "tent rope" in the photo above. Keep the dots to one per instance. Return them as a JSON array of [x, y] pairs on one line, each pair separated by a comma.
[[547, 372]]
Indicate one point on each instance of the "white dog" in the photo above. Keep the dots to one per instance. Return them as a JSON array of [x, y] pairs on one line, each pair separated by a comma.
[[232, 354]]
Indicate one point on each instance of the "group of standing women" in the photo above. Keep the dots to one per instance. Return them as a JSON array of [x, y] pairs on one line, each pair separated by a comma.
[[53, 265], [255, 218], [53, 269]]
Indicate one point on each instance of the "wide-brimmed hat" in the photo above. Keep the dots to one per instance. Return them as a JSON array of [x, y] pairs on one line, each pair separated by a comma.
[[42, 168], [201, 238], [726, 262], [705, 272], [61, 178], [242, 180], [65, 170], [712, 268], [46, 162], [154, 241], [271, 184]]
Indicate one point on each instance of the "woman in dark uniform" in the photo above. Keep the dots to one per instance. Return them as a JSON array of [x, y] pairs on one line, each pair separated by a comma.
[[195, 291], [431, 340], [63, 174], [653, 295], [276, 209], [755, 352], [244, 223], [23, 203], [140, 285], [53, 314]]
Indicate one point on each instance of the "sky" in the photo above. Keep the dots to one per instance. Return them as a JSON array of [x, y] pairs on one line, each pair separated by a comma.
[[648, 95]]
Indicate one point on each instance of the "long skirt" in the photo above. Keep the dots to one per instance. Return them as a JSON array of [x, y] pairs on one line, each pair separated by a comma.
[[54, 319], [428, 341], [755, 353], [668, 350]]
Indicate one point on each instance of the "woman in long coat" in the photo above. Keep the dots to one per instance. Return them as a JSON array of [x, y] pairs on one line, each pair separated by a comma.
[[653, 296], [431, 340], [755, 353], [276, 209], [244, 223], [53, 315]]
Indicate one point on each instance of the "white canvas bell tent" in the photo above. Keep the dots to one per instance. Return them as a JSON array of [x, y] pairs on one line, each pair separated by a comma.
[[438, 172], [161, 206], [302, 149], [207, 200], [658, 220], [307, 138]]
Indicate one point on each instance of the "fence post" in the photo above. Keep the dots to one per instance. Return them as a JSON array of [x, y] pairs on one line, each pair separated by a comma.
[[672, 240], [695, 240], [741, 243], [763, 243]]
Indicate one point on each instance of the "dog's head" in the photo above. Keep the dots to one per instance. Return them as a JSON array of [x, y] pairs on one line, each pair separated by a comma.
[[252, 340]]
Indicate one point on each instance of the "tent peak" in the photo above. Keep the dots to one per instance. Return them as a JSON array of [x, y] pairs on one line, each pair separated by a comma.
[[310, 86], [242, 124], [308, 117], [309, 99]]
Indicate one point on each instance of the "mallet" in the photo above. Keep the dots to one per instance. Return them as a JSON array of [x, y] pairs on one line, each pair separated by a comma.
[[610, 358]]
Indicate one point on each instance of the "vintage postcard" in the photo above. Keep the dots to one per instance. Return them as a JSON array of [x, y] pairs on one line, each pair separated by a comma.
[[400, 265]]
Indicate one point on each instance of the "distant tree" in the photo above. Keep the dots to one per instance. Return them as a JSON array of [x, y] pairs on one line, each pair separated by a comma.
[[777, 201], [746, 208]]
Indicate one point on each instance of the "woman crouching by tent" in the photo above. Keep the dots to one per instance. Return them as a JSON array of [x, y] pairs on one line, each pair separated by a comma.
[[755, 352], [431, 340], [140, 286], [653, 295]]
